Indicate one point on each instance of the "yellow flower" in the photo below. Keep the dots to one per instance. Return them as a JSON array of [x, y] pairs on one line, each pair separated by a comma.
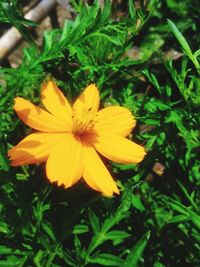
[[70, 138]]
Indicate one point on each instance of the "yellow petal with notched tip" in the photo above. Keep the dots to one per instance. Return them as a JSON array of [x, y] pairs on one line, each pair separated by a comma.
[[34, 148], [38, 118], [55, 102], [88, 100], [95, 173], [118, 149]]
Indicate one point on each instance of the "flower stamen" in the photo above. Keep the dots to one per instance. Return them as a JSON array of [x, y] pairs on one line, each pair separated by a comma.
[[83, 121]]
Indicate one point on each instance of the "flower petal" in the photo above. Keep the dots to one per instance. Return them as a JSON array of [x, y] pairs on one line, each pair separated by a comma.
[[88, 100], [95, 173], [115, 120], [118, 149], [34, 148], [64, 165], [38, 118], [55, 102]]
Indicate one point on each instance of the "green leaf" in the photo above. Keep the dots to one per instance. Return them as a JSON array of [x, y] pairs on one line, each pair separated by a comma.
[[48, 229], [137, 203], [116, 234], [38, 258], [80, 229], [4, 228], [106, 12], [151, 141], [67, 258], [168, 90], [149, 46], [94, 221], [158, 264], [185, 46], [4, 164], [136, 252], [194, 217], [132, 10], [180, 38], [197, 53], [107, 260], [13, 261], [187, 195], [151, 121], [178, 219], [13, 15], [5, 250], [77, 244], [112, 39], [178, 207]]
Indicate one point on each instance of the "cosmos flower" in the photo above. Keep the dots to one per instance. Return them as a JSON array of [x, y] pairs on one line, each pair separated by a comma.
[[70, 139]]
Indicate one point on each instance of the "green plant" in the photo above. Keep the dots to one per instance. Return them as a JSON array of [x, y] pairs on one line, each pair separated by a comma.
[[155, 219]]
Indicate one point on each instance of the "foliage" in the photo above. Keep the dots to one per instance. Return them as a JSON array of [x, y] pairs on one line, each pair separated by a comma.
[[10, 13], [156, 219]]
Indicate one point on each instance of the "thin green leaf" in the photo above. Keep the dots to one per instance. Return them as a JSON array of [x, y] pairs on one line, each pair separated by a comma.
[[106, 259], [136, 252], [94, 221], [180, 38], [80, 229], [178, 219], [116, 234], [194, 217]]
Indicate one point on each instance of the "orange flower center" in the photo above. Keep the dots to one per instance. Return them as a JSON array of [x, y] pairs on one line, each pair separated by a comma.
[[83, 121]]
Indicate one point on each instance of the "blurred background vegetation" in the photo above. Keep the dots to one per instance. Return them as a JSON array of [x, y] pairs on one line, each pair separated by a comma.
[[143, 55]]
